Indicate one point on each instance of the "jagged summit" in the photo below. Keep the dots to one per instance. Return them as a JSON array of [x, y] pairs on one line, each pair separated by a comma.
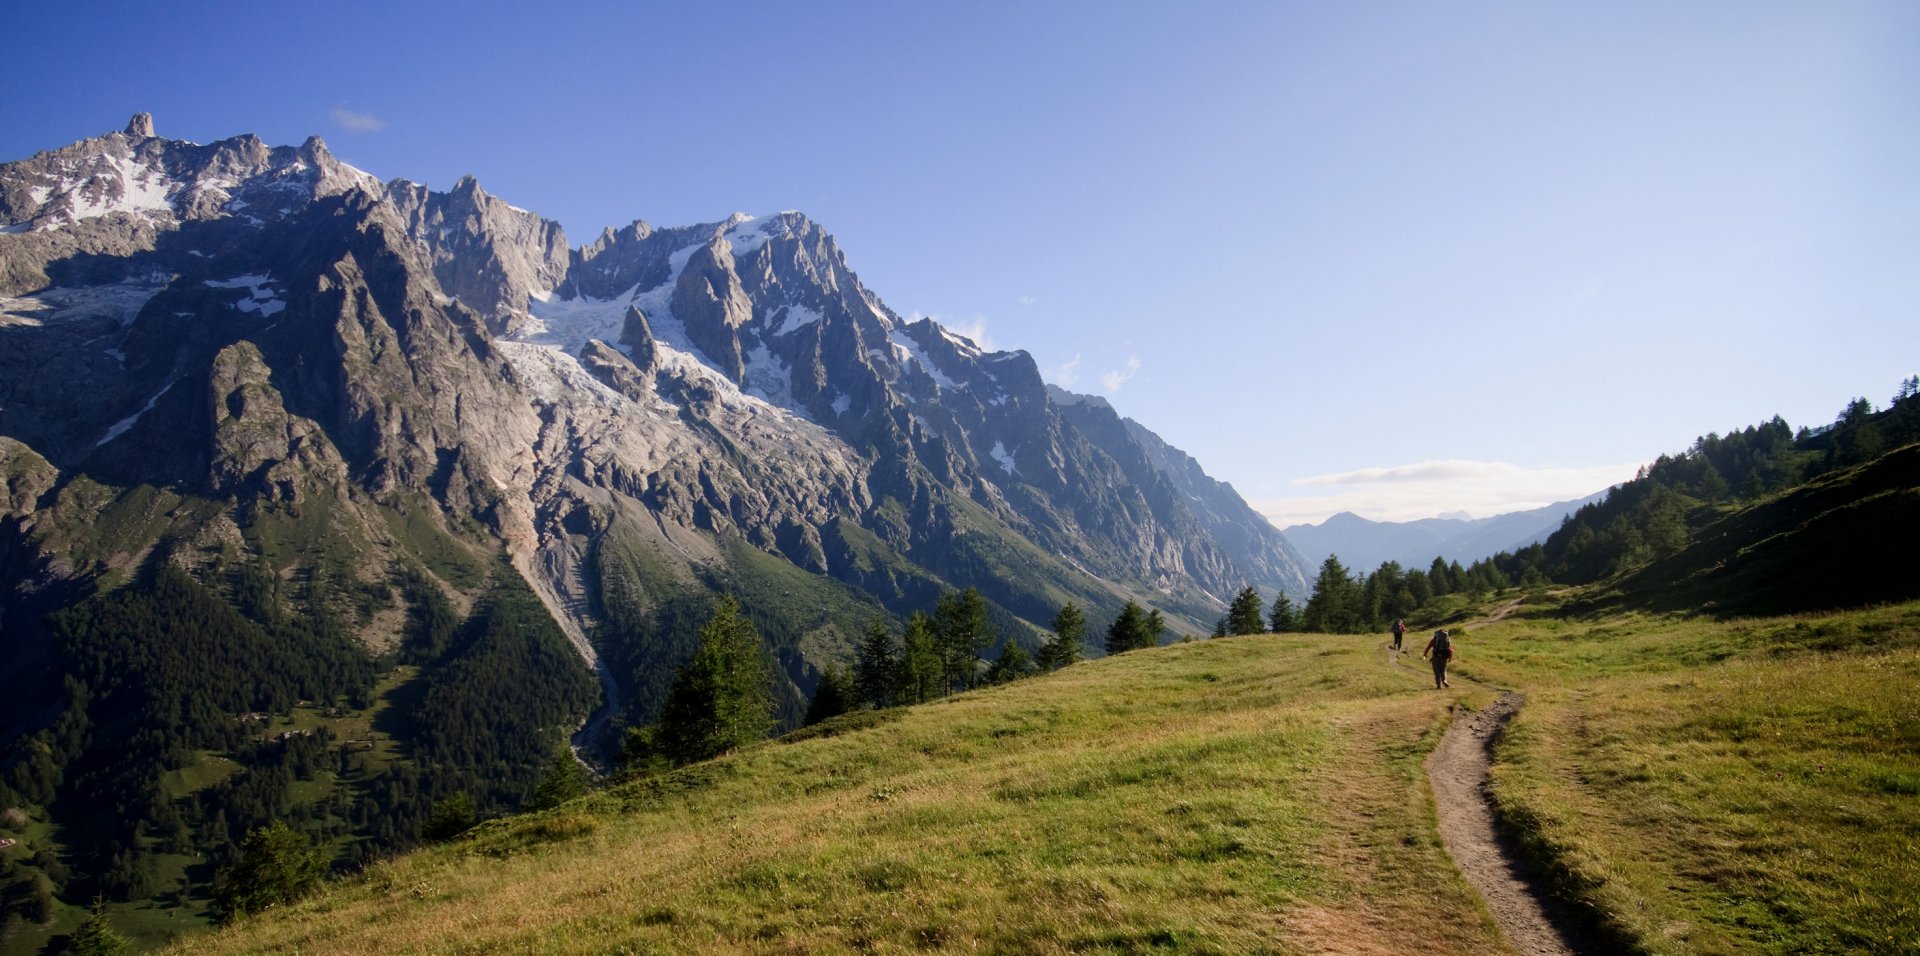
[[140, 126], [266, 326]]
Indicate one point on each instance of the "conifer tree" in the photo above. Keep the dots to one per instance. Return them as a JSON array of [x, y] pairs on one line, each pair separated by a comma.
[[1151, 630], [1283, 619], [921, 667], [960, 621], [1014, 663], [1334, 607], [721, 698], [451, 817], [1069, 632], [832, 697], [1220, 628], [1420, 588], [1129, 630], [277, 865], [1243, 616], [876, 666], [564, 780], [96, 937]]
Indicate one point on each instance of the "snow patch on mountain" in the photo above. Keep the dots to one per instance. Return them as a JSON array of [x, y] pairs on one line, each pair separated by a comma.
[[795, 318], [117, 184], [120, 427], [999, 454], [747, 233], [566, 324], [120, 302], [260, 297], [908, 350], [552, 375]]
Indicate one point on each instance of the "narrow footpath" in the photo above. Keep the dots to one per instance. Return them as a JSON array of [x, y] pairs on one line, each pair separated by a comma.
[[1457, 771]]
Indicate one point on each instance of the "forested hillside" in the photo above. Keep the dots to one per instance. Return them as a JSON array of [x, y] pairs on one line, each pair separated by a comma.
[[1763, 519]]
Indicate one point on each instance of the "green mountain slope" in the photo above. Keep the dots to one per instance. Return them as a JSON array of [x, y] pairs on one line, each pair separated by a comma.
[[1837, 541]]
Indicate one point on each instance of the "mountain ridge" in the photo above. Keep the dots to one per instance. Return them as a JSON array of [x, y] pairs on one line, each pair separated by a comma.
[[1363, 544], [404, 410]]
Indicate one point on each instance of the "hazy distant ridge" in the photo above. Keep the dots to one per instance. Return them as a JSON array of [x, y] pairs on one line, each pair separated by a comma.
[[1364, 544]]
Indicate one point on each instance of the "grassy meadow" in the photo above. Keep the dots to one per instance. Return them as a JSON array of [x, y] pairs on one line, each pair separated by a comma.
[[1703, 787]]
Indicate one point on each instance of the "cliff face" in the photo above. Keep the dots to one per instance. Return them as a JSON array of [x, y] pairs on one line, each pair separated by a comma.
[[268, 333]]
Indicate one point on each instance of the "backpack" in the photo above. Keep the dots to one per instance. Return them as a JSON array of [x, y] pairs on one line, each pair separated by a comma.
[[1442, 644]]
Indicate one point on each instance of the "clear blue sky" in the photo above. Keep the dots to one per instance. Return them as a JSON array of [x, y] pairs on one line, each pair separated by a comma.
[[1404, 258]]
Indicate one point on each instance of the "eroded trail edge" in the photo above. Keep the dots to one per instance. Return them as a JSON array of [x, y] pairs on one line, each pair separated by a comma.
[[1457, 771]]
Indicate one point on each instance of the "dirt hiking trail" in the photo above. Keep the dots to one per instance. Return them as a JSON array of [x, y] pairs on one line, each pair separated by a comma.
[[1457, 771]]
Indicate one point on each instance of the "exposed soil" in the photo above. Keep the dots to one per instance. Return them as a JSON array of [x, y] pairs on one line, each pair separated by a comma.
[[1500, 613], [1457, 771]]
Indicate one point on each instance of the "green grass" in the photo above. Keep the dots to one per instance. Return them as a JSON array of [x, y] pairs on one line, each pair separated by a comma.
[[1721, 787], [1699, 786], [1196, 798]]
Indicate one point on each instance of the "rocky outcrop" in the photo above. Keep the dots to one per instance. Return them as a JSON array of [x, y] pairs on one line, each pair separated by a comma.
[[616, 371], [709, 299], [484, 252], [259, 449]]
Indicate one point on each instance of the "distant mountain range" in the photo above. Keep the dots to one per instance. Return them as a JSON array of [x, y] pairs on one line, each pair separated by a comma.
[[1364, 545]]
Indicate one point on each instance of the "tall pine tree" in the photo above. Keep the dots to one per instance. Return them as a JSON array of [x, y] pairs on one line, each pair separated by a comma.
[[922, 669], [876, 666], [961, 622], [833, 696], [1069, 633], [722, 697], [1243, 616], [1283, 619], [1129, 631], [1334, 607]]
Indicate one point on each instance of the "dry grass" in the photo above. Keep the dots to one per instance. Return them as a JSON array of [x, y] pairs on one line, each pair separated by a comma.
[[1708, 787], [1199, 798]]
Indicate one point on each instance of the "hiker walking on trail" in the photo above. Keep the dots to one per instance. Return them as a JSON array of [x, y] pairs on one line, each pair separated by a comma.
[[1399, 631], [1440, 648]]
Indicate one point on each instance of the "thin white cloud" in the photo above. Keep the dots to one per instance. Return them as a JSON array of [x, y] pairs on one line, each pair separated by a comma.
[[1118, 377], [1450, 469], [1431, 488], [1066, 373], [1027, 300], [975, 329], [357, 122]]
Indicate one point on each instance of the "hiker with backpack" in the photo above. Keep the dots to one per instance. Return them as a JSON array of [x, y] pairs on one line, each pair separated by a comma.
[[1441, 650], [1399, 631]]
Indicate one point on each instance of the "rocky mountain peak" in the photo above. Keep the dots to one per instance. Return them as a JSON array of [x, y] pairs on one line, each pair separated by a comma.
[[140, 127], [315, 151]]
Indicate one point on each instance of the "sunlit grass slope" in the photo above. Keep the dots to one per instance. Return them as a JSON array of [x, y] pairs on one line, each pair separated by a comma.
[[1699, 786], [1257, 794], [1739, 787]]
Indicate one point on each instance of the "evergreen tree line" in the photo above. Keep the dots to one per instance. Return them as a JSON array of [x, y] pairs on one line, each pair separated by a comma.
[[163, 670], [1640, 521], [719, 698], [1343, 602], [1656, 513]]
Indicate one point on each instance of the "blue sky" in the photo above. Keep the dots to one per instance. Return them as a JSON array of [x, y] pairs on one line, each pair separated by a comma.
[[1400, 258]]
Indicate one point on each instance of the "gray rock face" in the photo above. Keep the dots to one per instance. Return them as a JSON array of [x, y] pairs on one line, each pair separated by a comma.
[[484, 252], [262, 325]]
